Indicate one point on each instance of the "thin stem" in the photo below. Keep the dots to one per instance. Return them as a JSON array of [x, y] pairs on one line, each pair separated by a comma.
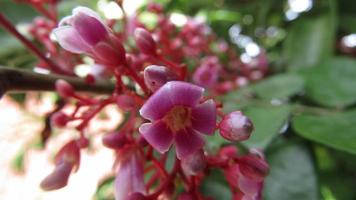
[[9, 27], [12, 80]]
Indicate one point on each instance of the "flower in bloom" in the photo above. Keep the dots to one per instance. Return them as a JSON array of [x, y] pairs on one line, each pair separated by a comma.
[[178, 117], [84, 32], [129, 180]]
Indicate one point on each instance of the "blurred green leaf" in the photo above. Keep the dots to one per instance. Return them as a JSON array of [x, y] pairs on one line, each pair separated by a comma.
[[332, 83], [337, 130], [105, 189], [215, 186], [309, 41], [292, 175], [268, 121], [279, 87]]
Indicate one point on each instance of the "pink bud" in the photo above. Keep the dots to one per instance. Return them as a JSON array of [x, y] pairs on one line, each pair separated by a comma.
[[253, 167], [194, 163], [114, 140], [64, 89], [145, 42], [69, 153], [59, 119], [58, 178], [130, 176], [236, 127], [156, 76], [125, 102]]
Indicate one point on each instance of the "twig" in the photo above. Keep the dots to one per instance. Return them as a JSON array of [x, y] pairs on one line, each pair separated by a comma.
[[15, 80]]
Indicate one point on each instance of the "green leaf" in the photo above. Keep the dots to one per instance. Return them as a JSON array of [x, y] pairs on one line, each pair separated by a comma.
[[279, 87], [337, 130], [292, 175], [309, 41], [332, 83], [268, 121], [215, 186]]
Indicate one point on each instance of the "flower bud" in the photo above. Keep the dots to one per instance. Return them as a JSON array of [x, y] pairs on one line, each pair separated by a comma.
[[156, 76], [207, 73], [59, 119], [194, 163], [64, 89], [253, 167], [114, 140], [236, 127], [125, 102], [145, 42], [58, 178]]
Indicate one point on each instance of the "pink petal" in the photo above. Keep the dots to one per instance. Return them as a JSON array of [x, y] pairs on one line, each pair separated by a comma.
[[130, 178], [157, 105], [187, 142], [58, 178], [70, 39], [158, 135], [204, 117], [183, 93], [86, 11], [90, 28]]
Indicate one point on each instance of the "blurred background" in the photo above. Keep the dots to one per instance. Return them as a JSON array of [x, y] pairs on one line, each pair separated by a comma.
[[308, 128]]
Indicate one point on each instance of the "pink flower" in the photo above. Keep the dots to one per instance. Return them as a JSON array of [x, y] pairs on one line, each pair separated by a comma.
[[78, 32], [84, 32], [129, 179], [177, 117]]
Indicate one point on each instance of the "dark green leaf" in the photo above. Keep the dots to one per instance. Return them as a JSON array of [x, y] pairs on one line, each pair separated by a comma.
[[268, 121], [279, 87], [309, 41], [215, 186], [337, 130], [332, 83], [292, 175]]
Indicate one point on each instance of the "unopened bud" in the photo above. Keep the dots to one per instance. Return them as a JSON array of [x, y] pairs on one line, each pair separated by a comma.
[[194, 163], [59, 119], [156, 76], [114, 140], [235, 126], [145, 41], [253, 167], [58, 178], [64, 89]]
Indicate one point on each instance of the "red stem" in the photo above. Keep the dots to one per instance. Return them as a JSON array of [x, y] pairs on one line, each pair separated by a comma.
[[169, 179], [39, 7], [138, 80], [9, 27]]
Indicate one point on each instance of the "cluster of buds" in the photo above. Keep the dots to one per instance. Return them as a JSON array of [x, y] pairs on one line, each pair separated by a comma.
[[171, 108]]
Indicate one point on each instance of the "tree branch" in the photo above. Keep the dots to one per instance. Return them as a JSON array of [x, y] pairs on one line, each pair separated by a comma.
[[16, 80]]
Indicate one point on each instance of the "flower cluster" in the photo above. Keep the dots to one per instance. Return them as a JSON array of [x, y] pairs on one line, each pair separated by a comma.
[[169, 104]]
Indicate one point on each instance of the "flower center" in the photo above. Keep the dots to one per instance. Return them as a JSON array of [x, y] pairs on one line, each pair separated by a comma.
[[179, 117]]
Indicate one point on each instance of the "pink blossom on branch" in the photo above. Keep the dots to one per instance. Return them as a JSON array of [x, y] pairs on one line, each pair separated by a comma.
[[84, 32], [178, 117]]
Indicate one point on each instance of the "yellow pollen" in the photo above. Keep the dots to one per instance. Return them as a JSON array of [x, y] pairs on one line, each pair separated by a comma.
[[178, 118]]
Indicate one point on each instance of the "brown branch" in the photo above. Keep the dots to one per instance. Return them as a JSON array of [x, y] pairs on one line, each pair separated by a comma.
[[16, 80]]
